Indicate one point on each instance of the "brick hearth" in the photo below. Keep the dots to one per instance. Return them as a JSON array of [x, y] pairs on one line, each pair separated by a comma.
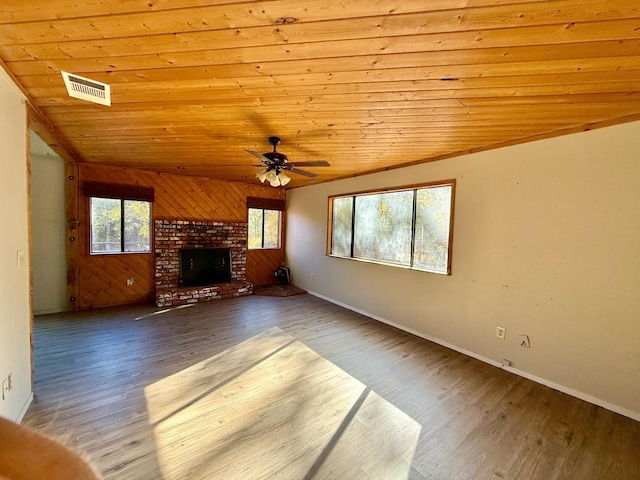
[[173, 235]]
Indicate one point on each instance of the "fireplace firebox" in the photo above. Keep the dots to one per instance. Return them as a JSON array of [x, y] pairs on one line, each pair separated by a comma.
[[204, 266], [210, 280]]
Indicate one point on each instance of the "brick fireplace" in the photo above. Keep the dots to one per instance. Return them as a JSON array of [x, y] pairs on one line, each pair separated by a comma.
[[173, 235]]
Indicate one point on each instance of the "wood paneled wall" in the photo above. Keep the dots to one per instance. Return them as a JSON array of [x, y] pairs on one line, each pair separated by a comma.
[[262, 264], [101, 280]]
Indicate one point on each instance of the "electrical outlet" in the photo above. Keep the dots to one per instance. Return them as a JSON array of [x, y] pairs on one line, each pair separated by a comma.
[[501, 332]]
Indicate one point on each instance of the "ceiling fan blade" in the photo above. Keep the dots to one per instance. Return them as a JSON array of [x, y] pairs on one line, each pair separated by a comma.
[[302, 172], [259, 156], [312, 163]]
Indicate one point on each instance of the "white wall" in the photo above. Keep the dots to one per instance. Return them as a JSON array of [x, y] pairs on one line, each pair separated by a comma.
[[48, 229], [15, 352], [546, 243]]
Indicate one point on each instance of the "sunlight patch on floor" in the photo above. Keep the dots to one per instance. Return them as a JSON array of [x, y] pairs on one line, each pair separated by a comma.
[[165, 310], [271, 407]]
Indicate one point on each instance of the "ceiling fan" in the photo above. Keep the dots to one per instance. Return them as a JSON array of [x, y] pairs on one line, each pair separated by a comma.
[[277, 163]]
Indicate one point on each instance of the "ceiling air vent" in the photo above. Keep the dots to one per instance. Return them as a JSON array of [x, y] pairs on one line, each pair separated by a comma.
[[87, 89]]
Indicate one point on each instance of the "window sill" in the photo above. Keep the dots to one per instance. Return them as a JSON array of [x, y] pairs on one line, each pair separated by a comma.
[[389, 264], [120, 253]]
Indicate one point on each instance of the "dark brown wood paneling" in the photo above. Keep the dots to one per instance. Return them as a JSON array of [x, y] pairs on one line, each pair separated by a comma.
[[266, 203], [72, 195], [262, 264], [117, 190], [102, 279]]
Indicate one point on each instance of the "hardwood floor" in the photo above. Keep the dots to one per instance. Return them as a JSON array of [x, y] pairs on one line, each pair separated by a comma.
[[298, 388]]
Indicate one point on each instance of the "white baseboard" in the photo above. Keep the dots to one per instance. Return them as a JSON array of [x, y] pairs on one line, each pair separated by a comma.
[[561, 388], [25, 407]]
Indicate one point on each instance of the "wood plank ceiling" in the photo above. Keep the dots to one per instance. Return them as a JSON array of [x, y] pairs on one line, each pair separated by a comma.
[[365, 84]]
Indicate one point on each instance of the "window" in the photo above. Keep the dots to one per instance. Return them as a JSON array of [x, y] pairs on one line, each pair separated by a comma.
[[408, 227], [119, 216], [264, 228], [119, 225], [265, 222]]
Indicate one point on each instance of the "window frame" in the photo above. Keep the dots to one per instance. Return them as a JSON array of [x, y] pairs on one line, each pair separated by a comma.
[[441, 183], [280, 222], [259, 203], [122, 201]]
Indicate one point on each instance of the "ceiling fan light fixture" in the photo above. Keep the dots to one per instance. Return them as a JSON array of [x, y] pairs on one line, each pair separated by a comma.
[[262, 175], [276, 182], [276, 163], [284, 179], [275, 177], [271, 177]]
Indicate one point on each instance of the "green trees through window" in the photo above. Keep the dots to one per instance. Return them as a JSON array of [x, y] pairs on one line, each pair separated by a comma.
[[407, 227], [119, 225], [264, 228], [342, 226], [382, 227]]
